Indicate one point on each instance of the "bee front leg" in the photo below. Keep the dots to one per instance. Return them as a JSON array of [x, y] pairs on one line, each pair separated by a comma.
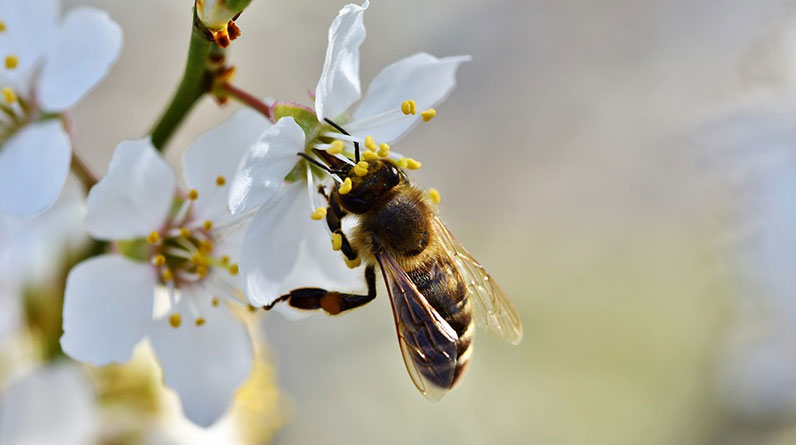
[[334, 216], [312, 298]]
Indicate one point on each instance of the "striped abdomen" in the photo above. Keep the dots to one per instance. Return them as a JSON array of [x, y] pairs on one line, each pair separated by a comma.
[[440, 282]]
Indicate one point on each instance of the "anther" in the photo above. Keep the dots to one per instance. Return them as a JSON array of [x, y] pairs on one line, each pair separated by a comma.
[[208, 224], [233, 269], [371, 144], [412, 164], [433, 193], [319, 213], [205, 246], [159, 260], [370, 156], [384, 150], [153, 238], [345, 187], [428, 114], [225, 260], [175, 320], [167, 275], [11, 62], [201, 271], [9, 95], [193, 194], [3, 26], [214, 301], [251, 308], [337, 241], [220, 180], [336, 148], [409, 107], [185, 232], [200, 321], [401, 163], [352, 264], [361, 169]]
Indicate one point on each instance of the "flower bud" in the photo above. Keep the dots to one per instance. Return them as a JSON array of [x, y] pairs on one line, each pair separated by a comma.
[[216, 14]]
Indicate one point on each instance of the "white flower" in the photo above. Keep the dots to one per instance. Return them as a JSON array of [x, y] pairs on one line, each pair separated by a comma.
[[283, 249], [189, 252], [48, 65]]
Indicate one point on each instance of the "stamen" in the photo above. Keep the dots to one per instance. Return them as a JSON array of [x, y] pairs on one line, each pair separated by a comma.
[[345, 159], [370, 156], [337, 241], [11, 62], [433, 193], [167, 275], [371, 144], [428, 114], [352, 264], [361, 169], [234, 269], [153, 238], [214, 301], [345, 137], [345, 187], [9, 95], [200, 321], [193, 194], [384, 150], [225, 260], [159, 260], [401, 163], [175, 320], [336, 147], [251, 308], [412, 164], [318, 214], [406, 107], [3, 26], [205, 246], [208, 225], [221, 180], [201, 271], [185, 232]]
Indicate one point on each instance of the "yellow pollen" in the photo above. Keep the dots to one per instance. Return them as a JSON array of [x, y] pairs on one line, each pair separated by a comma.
[[205, 246], [412, 164], [433, 193], [318, 214], [370, 156], [184, 232], [409, 107], [336, 148], [345, 187], [220, 180], [167, 275], [371, 144], [402, 163], [2, 26], [208, 224], [160, 260], [337, 241], [201, 271], [200, 321], [214, 302], [384, 150], [153, 237], [361, 169], [352, 264], [233, 269], [225, 260], [428, 114], [12, 62], [175, 320], [193, 195], [9, 95], [251, 308]]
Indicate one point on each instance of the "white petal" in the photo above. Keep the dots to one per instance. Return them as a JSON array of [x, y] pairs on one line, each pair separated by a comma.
[[338, 88], [204, 364], [265, 165], [31, 26], [422, 77], [33, 167], [218, 152], [271, 244], [51, 404], [134, 198], [107, 308], [86, 45]]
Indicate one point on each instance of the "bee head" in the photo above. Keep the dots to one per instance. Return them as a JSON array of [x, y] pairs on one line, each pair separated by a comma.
[[370, 181]]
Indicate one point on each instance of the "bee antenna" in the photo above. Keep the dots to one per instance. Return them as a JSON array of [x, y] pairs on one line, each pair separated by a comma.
[[342, 130], [320, 165]]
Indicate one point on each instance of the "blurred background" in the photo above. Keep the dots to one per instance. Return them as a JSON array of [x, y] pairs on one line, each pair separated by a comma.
[[607, 161]]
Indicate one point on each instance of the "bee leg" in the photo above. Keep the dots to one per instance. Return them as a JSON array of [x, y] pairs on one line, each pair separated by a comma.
[[334, 215], [312, 298]]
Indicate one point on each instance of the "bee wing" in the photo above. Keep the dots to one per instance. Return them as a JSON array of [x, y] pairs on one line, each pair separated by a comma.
[[428, 342], [492, 308]]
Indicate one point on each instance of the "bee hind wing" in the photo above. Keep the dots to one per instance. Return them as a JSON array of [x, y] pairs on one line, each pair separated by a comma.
[[492, 307]]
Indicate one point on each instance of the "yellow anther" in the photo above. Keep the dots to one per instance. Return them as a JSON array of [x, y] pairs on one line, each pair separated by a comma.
[[184, 232], [225, 259], [371, 144], [402, 163], [205, 246], [175, 320], [167, 275], [433, 193], [251, 308], [412, 164], [193, 194], [201, 271], [318, 214], [159, 260], [2, 26], [428, 114], [153, 238], [233, 269], [336, 148], [220, 180], [384, 150], [337, 241], [345, 187], [361, 169], [208, 224], [409, 107], [370, 155], [352, 264], [12, 62], [214, 301], [9, 95], [200, 321]]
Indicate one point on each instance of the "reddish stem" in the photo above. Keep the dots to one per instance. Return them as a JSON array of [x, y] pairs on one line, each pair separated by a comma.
[[248, 99]]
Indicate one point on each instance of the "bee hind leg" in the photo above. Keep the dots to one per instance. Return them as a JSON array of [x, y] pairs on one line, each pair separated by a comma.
[[333, 303]]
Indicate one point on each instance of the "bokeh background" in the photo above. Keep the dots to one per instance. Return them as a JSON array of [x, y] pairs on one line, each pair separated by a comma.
[[588, 158]]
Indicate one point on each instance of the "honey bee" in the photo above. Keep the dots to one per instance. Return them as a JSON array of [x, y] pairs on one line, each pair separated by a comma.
[[437, 290]]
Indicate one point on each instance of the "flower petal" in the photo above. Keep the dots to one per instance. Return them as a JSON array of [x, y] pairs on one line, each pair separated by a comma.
[[51, 404], [265, 165], [271, 244], [218, 152], [86, 45], [31, 26], [107, 308], [134, 197], [34, 164], [422, 77], [338, 88], [204, 364]]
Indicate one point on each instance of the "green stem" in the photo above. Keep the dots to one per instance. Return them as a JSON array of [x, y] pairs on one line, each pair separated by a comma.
[[204, 60]]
